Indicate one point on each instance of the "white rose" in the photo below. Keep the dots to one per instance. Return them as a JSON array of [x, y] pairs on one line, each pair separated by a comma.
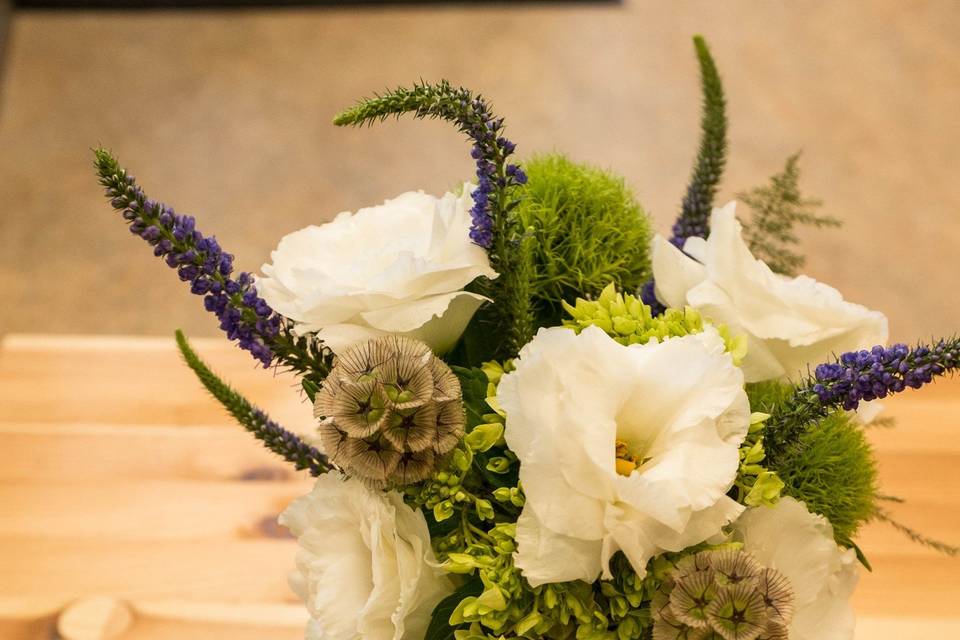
[[800, 545], [395, 268], [680, 409], [365, 567], [790, 323]]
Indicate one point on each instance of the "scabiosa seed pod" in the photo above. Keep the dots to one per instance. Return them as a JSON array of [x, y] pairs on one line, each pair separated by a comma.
[[389, 411], [723, 595]]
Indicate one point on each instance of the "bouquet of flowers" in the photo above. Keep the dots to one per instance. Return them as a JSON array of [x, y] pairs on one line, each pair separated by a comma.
[[538, 419]]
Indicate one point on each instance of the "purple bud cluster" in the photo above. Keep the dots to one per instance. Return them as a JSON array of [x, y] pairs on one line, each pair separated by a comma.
[[199, 260], [868, 375], [494, 175], [288, 444]]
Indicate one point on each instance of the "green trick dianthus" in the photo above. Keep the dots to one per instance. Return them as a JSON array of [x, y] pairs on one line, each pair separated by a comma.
[[833, 470], [589, 231]]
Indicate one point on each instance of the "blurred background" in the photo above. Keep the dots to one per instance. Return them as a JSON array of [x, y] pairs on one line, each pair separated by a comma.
[[131, 507], [226, 114]]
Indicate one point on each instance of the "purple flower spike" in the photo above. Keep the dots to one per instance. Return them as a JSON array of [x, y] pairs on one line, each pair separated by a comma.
[[861, 376], [198, 260]]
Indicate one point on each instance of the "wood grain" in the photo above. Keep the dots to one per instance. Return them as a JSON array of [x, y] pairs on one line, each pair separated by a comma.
[[132, 505]]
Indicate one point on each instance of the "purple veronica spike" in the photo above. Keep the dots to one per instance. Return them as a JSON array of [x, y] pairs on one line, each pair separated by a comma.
[[198, 259], [855, 377], [474, 117], [490, 151], [868, 375]]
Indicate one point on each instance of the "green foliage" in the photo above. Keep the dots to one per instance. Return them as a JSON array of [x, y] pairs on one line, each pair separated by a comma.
[[755, 484], [777, 208], [769, 395], [833, 470], [439, 627], [586, 230], [711, 156], [274, 437]]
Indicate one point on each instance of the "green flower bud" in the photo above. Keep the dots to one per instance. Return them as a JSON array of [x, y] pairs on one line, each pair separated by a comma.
[[484, 509], [442, 511], [459, 563], [498, 464], [493, 598], [461, 459], [466, 608], [528, 623], [765, 491], [483, 437]]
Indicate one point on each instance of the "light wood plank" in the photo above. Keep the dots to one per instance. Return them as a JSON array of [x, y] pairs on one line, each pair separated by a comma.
[[48, 573], [154, 620], [146, 511], [120, 477], [132, 381], [50, 452]]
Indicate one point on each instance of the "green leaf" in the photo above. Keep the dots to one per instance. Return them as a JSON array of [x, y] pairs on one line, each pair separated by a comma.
[[861, 556], [473, 386], [439, 627]]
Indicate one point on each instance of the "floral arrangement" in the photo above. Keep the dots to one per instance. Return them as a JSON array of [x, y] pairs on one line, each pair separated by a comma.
[[536, 418]]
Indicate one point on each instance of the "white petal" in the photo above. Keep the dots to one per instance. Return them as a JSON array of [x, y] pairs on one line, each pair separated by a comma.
[[444, 319], [679, 405], [674, 273], [547, 557], [399, 267], [800, 545], [365, 567], [791, 323]]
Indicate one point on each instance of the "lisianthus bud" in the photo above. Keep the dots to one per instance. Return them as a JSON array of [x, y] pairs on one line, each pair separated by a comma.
[[389, 410], [724, 595]]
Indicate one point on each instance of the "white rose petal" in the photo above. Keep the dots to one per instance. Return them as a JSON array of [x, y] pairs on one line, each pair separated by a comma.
[[790, 323], [678, 405], [800, 545], [395, 268], [365, 568]]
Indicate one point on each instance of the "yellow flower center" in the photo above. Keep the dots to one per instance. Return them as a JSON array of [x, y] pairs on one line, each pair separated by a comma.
[[626, 462]]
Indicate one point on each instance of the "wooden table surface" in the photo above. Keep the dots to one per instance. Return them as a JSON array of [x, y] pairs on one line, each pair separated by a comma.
[[131, 507]]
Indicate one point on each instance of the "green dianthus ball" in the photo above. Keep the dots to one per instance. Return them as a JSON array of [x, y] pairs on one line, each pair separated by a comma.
[[590, 231], [833, 470]]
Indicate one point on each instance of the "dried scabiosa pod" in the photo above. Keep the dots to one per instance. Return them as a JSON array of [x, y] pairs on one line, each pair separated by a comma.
[[722, 595], [389, 411]]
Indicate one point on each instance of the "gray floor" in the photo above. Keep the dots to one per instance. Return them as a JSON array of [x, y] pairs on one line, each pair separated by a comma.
[[227, 116]]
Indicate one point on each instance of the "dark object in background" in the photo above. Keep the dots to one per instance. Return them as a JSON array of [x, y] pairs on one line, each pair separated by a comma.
[[166, 4]]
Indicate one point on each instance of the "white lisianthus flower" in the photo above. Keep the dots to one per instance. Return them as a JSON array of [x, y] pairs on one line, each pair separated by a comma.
[[800, 545], [395, 268], [790, 323], [365, 568], [621, 448]]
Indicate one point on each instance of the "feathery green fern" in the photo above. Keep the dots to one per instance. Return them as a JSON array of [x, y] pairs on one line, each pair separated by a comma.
[[777, 208]]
